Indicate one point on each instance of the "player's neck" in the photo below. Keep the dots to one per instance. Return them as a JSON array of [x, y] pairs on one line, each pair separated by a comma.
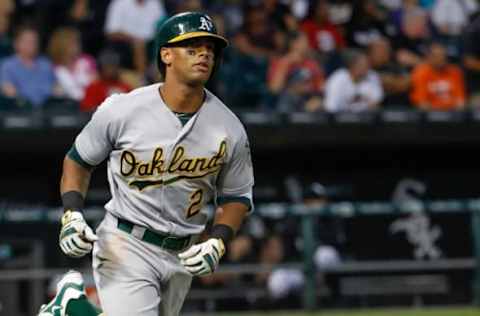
[[182, 98]]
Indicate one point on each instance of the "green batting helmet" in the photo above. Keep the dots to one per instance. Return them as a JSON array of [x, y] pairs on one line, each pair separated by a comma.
[[185, 26]]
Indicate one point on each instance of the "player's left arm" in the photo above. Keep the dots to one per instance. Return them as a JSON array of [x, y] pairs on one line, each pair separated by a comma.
[[204, 258], [234, 200]]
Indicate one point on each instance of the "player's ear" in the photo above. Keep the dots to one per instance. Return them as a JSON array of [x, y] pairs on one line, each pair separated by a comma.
[[166, 55]]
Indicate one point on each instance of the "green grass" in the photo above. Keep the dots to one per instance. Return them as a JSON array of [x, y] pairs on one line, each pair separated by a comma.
[[447, 311]]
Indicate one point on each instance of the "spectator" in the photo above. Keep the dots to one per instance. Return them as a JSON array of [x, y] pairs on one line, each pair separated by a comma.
[[296, 78], [74, 70], [87, 16], [408, 8], [25, 74], [436, 84], [355, 87], [109, 82], [280, 14], [450, 17], [411, 44], [5, 42], [258, 37], [130, 24], [395, 78], [323, 36], [368, 23], [471, 60], [7, 7], [391, 5], [340, 12]]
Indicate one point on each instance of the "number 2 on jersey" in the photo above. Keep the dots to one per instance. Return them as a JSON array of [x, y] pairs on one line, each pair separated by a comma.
[[195, 203]]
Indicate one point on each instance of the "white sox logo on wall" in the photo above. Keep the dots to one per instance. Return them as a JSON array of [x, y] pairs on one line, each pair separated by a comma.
[[205, 24]]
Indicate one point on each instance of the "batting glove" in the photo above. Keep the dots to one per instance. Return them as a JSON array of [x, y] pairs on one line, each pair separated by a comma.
[[203, 258], [76, 237]]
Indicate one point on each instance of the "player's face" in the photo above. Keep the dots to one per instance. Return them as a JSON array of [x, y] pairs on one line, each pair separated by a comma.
[[193, 60]]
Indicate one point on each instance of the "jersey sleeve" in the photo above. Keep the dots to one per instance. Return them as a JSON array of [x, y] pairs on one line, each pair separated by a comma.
[[97, 139], [236, 180]]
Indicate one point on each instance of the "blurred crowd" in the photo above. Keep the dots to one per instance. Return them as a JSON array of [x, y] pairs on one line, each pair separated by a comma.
[[284, 56]]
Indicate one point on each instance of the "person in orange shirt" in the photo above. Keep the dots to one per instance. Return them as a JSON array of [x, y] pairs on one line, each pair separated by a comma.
[[436, 84]]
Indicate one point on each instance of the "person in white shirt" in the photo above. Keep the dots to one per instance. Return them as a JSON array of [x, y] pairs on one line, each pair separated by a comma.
[[130, 24], [355, 87], [450, 17], [74, 69]]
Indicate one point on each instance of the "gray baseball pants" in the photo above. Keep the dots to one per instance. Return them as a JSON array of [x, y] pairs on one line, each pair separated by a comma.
[[135, 278]]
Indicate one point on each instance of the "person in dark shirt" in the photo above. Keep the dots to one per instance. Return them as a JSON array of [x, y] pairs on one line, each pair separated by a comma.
[[368, 23], [6, 48], [394, 77], [281, 15], [471, 61], [411, 44], [258, 37]]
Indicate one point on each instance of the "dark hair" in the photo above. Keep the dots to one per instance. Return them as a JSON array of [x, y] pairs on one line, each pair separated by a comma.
[[312, 8], [351, 56], [24, 28]]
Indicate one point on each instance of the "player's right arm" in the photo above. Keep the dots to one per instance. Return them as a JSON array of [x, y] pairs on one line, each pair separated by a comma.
[[91, 147], [76, 237], [75, 177]]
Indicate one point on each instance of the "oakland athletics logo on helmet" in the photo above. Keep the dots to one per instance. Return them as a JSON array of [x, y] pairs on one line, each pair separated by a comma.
[[184, 26]]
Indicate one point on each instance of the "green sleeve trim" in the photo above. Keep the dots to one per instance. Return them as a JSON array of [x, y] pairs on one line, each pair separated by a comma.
[[240, 199], [75, 156]]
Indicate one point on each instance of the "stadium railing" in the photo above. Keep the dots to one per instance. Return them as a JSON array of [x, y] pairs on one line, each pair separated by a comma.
[[307, 215]]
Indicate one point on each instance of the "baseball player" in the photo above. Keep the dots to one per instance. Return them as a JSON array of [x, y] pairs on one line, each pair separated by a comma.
[[171, 148]]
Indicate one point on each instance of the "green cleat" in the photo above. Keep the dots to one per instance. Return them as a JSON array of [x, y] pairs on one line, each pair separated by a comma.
[[69, 287]]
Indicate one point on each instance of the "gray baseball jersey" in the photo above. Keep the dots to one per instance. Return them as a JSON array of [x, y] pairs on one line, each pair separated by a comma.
[[162, 173]]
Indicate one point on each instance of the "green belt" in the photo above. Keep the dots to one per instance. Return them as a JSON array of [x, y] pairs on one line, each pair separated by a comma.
[[167, 242]]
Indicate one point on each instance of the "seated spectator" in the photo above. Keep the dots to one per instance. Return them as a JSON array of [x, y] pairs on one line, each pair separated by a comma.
[[323, 36], [355, 87], [407, 8], [128, 33], [109, 82], [5, 41], [258, 37], [395, 78], [74, 70], [26, 75], [411, 44], [296, 78], [87, 16], [436, 84], [7, 7], [450, 17], [280, 14], [471, 61], [368, 24], [390, 5], [340, 12]]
